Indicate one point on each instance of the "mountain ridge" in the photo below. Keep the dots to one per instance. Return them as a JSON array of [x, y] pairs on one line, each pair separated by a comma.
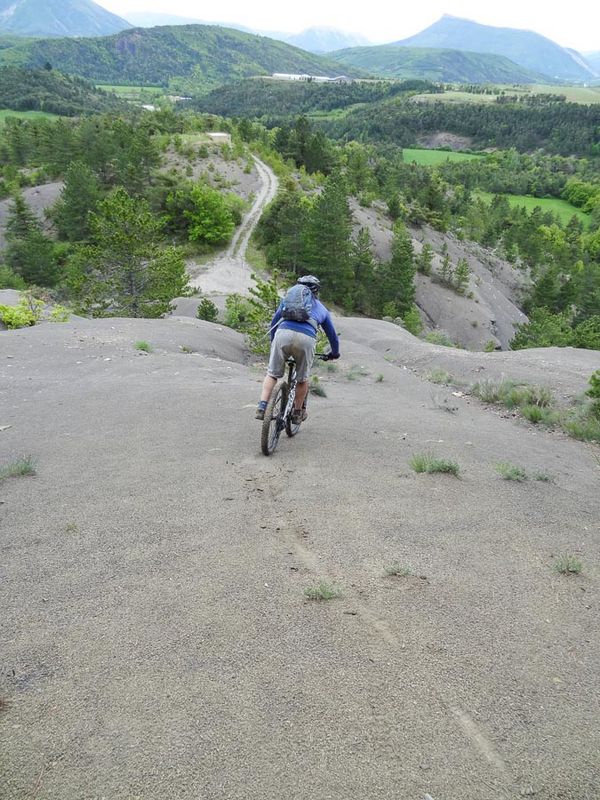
[[202, 55], [58, 18], [526, 48], [435, 64]]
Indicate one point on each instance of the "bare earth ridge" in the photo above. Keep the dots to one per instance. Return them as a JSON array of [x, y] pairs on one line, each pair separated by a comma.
[[156, 642]]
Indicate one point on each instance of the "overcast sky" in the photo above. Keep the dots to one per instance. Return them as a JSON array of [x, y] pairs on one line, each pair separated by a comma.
[[574, 24]]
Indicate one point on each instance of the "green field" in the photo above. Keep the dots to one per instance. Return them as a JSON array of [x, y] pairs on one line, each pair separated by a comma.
[[429, 158], [4, 113], [574, 94], [561, 208]]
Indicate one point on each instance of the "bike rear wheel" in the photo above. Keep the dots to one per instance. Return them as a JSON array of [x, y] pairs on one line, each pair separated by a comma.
[[274, 422]]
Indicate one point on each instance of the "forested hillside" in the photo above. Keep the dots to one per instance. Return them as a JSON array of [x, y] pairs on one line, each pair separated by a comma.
[[451, 66], [275, 100], [50, 91], [559, 127], [383, 112], [198, 55]]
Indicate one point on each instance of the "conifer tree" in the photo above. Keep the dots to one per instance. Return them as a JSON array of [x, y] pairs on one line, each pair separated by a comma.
[[363, 268], [29, 252], [462, 275], [397, 276], [328, 242], [79, 197], [425, 259], [126, 271]]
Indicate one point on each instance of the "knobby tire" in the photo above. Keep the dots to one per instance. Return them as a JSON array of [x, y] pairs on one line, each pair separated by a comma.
[[273, 422]]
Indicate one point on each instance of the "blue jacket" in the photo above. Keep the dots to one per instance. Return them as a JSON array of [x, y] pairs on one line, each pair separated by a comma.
[[320, 315]]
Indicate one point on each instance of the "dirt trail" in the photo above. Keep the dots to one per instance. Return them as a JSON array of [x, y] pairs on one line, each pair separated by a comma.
[[156, 642], [230, 273]]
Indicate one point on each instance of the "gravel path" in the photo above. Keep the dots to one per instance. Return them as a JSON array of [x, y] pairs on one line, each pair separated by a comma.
[[230, 273]]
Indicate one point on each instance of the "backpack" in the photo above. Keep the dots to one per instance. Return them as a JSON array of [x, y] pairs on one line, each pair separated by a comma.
[[297, 304]]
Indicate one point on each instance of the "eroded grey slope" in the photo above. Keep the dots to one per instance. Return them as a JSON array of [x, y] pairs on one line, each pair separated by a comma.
[[155, 638]]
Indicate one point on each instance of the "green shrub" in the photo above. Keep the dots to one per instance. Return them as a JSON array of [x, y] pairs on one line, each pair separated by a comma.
[[59, 314], [594, 392], [27, 312], [145, 347], [439, 337], [412, 321], [207, 310], [489, 346], [10, 279]]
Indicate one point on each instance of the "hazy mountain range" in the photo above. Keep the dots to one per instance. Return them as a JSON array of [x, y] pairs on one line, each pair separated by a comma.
[[526, 48], [58, 18], [452, 49], [314, 39]]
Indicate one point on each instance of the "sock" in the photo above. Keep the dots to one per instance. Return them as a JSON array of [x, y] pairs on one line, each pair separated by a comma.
[[262, 404]]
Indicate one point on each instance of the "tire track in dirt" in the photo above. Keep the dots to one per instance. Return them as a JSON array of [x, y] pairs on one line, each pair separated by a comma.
[[294, 536]]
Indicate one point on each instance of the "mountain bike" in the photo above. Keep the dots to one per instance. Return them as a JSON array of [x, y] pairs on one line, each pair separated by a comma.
[[278, 413]]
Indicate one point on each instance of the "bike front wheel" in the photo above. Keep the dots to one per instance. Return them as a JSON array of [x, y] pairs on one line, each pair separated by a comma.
[[290, 428], [274, 422]]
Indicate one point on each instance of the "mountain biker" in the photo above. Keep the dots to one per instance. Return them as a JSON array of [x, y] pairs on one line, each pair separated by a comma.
[[297, 339]]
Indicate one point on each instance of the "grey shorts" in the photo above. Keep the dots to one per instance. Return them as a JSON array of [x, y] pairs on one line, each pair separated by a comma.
[[291, 343]]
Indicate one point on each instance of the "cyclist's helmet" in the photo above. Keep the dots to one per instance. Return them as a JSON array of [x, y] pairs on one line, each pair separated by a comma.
[[314, 284]]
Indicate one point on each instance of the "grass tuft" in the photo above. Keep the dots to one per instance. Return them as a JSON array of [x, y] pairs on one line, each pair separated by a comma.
[[510, 472], [398, 570], [427, 462], [568, 565], [322, 591], [537, 414], [22, 466], [379, 378], [144, 347], [316, 387], [439, 376]]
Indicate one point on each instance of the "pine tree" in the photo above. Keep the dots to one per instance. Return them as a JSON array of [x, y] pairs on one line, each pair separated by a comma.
[[126, 271], [363, 268], [425, 259], [447, 271], [79, 197], [29, 252], [462, 275], [328, 242], [397, 276], [21, 220]]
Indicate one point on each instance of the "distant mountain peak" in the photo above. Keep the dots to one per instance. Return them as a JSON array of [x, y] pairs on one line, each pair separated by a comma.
[[58, 18], [325, 39], [526, 48]]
